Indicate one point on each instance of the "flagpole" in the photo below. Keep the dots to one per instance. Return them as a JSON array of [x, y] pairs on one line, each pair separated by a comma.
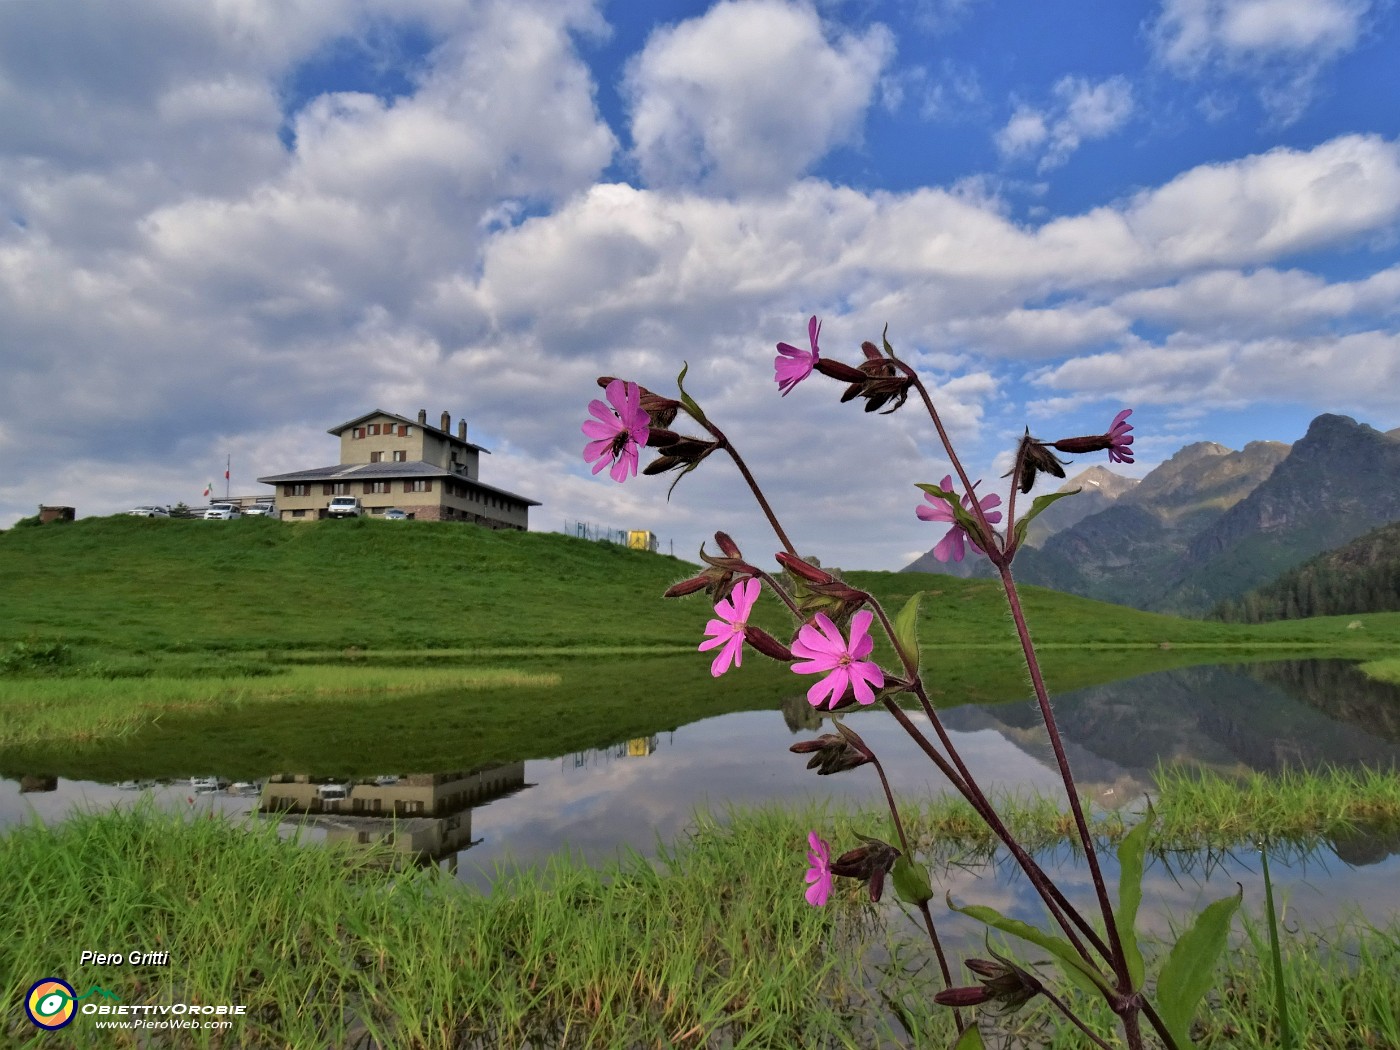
[[228, 462]]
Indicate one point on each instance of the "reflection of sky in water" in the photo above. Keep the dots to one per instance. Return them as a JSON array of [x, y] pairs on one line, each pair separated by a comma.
[[595, 804]]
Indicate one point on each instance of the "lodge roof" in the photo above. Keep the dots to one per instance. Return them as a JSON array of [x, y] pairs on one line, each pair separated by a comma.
[[388, 472]]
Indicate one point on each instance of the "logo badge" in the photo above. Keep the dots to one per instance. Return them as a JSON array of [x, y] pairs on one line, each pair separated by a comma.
[[50, 1003]]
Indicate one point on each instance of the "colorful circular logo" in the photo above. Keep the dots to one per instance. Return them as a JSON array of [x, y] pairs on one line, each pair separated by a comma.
[[49, 1003]]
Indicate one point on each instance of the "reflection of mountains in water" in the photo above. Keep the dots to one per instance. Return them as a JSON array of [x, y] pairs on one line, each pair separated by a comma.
[[425, 816], [1263, 717]]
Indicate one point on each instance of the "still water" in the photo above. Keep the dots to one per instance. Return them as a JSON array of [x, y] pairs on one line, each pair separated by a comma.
[[636, 793]]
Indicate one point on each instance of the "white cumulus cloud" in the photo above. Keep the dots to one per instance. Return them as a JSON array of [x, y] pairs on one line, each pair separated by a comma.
[[1281, 45], [749, 95], [1081, 110]]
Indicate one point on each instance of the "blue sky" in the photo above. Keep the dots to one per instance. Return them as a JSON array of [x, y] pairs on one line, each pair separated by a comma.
[[228, 227]]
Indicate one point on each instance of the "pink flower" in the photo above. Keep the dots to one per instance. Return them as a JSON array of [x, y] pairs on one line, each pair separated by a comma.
[[819, 874], [728, 630], [823, 649], [1119, 439], [950, 547], [792, 365], [617, 432]]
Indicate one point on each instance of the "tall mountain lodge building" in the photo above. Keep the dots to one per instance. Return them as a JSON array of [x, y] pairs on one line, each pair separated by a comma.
[[388, 461]]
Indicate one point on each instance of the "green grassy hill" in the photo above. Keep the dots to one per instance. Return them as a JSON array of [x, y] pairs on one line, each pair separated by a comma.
[[259, 645], [115, 587]]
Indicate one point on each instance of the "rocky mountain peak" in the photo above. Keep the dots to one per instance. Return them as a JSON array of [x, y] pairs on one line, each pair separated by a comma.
[[1099, 479]]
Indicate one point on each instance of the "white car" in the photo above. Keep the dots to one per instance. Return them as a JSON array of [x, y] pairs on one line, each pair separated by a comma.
[[261, 510], [222, 512], [344, 507], [149, 512]]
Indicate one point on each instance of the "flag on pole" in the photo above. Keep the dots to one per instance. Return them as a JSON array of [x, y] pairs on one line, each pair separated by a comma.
[[209, 489]]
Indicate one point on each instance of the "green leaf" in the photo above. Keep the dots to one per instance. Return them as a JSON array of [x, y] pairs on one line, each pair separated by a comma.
[[1190, 968], [686, 399], [906, 629], [1080, 973], [1040, 503], [1130, 856], [971, 1039], [911, 881]]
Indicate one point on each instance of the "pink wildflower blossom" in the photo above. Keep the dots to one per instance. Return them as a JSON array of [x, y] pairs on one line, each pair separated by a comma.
[[822, 649], [728, 630], [950, 547], [792, 365], [819, 874], [617, 432], [1119, 438]]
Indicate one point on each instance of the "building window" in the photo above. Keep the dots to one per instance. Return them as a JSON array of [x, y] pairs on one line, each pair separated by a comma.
[[340, 488], [376, 457], [403, 431], [359, 432], [376, 487], [299, 489], [400, 456], [374, 429], [298, 513], [419, 485]]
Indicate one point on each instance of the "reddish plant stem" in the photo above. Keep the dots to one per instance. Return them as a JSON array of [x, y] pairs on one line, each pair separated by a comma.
[[1064, 913], [922, 905], [1119, 960], [749, 480]]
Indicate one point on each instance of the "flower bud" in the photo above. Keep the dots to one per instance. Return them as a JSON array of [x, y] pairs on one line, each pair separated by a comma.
[[830, 754], [690, 586], [1033, 457], [802, 569], [727, 544], [970, 995], [1003, 983]]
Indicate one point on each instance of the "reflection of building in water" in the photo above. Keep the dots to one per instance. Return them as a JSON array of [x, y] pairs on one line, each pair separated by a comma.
[[799, 714], [637, 747], [426, 815]]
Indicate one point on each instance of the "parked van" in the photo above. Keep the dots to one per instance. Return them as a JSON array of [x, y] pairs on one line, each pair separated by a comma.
[[344, 507]]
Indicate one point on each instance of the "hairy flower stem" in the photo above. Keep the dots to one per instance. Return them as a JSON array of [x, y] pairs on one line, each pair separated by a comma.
[[922, 905], [777, 589], [1120, 964], [749, 480]]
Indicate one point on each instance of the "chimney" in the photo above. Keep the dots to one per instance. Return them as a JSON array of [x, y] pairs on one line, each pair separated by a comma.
[[462, 429], [422, 417], [446, 422]]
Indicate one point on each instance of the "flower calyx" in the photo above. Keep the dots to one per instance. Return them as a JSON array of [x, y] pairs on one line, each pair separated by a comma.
[[1003, 984], [1117, 442], [869, 863], [766, 644]]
